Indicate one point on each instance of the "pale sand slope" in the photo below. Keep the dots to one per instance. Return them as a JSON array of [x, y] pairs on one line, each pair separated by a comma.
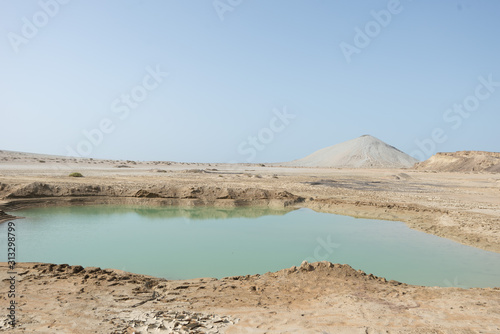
[[463, 161], [363, 152]]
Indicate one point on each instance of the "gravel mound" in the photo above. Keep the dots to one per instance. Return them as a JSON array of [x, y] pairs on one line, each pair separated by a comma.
[[363, 152]]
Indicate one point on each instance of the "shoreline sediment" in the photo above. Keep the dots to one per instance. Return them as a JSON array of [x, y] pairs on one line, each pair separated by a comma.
[[415, 216]]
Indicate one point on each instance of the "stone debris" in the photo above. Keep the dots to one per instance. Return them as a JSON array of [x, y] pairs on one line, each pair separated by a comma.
[[176, 322]]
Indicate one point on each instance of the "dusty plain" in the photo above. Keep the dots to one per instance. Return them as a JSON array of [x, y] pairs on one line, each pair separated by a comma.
[[317, 298]]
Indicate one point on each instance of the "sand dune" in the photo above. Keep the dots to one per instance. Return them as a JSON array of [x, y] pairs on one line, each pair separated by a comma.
[[363, 152]]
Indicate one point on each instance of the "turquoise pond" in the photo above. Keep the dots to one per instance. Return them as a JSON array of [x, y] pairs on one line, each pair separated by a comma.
[[190, 242]]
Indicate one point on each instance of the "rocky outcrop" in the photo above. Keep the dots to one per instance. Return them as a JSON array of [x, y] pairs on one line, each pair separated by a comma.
[[462, 161]]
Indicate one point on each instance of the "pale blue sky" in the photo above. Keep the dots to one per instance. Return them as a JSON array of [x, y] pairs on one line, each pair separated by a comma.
[[227, 78]]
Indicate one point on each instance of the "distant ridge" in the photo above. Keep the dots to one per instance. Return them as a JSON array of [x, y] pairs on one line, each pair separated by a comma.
[[362, 152], [462, 161]]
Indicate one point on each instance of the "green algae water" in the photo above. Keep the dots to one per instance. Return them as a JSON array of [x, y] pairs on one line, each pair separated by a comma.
[[183, 243]]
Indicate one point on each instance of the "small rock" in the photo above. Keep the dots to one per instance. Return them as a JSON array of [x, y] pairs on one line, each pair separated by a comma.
[[92, 270], [76, 269], [306, 266]]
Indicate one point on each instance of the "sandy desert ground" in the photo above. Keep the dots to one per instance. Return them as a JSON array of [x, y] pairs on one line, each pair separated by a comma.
[[318, 298]]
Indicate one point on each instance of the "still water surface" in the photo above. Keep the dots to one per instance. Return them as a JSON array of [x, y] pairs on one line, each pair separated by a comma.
[[181, 243]]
